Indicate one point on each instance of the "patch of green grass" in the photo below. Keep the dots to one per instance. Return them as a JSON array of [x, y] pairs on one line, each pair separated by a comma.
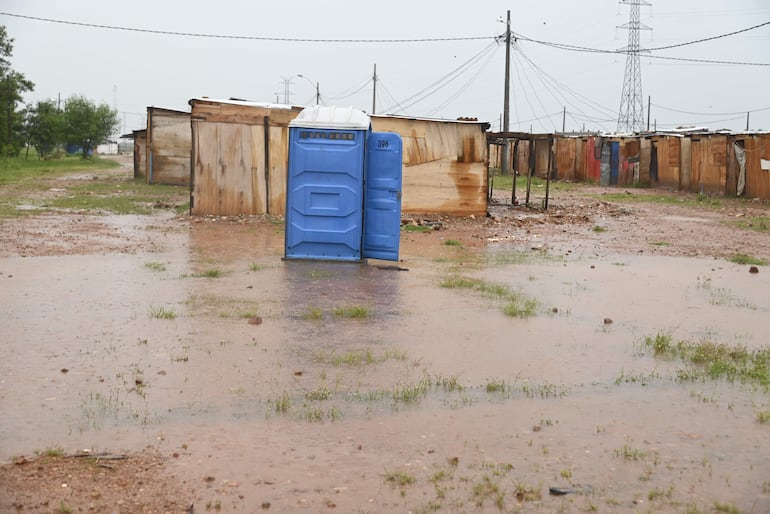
[[319, 394], [63, 508], [527, 493], [353, 311], [729, 508], [15, 169], [496, 385], [416, 228], [162, 313], [628, 453], [709, 359], [399, 478], [282, 404], [313, 313], [516, 304], [763, 417], [599, 229], [520, 307], [155, 266], [211, 273], [452, 242], [53, 451], [742, 258], [505, 183], [256, 267], [759, 224], [660, 243], [488, 490]]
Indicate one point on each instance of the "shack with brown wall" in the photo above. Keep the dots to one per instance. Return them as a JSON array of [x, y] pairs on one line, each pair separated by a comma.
[[239, 157], [445, 164], [240, 160], [169, 142]]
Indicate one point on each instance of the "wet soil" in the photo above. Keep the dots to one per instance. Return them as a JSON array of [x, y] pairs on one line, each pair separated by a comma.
[[131, 336]]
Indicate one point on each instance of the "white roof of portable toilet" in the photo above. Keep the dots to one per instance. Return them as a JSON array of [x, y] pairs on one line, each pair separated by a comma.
[[320, 116]]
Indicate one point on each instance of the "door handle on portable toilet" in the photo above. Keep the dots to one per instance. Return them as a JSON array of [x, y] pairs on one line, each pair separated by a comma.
[[398, 193]]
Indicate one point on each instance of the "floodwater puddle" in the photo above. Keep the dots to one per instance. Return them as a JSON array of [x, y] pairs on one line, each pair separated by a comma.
[[355, 371]]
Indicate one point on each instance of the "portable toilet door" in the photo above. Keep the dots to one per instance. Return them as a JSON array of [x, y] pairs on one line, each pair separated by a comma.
[[324, 194], [329, 214], [382, 198]]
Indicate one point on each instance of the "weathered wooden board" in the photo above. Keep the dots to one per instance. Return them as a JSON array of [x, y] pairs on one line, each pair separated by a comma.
[[140, 154], [169, 143]]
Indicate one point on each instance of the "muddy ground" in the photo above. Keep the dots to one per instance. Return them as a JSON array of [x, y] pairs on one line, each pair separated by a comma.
[[201, 373]]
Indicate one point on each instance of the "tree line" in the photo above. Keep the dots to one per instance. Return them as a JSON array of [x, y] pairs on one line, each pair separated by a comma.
[[45, 125]]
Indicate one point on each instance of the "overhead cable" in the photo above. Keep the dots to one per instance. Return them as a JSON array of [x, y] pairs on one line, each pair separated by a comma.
[[710, 113], [251, 38]]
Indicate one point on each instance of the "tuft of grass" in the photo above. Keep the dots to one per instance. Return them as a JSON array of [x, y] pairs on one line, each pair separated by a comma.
[[399, 478], [155, 266], [256, 267], [313, 313], [660, 243], [211, 273], [599, 229], [516, 304], [416, 228], [452, 242], [53, 451], [63, 508], [162, 313], [758, 224], [763, 417], [628, 453], [319, 394], [742, 258], [709, 359], [496, 385], [352, 311], [282, 404]]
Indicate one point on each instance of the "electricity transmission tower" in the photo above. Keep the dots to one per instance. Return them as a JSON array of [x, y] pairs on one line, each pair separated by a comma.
[[631, 114]]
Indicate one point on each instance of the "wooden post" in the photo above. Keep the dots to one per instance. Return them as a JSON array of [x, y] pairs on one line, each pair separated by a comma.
[[266, 124], [548, 175]]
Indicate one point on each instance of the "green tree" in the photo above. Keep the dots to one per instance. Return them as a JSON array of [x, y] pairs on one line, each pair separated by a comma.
[[87, 124], [12, 86], [44, 126]]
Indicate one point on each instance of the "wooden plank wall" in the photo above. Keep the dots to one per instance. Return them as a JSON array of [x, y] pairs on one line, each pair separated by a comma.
[[566, 157], [140, 154], [169, 143], [645, 154], [445, 168], [669, 149], [685, 173], [757, 180]]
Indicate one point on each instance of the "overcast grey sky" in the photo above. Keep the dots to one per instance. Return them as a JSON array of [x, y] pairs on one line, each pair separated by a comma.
[[133, 70]]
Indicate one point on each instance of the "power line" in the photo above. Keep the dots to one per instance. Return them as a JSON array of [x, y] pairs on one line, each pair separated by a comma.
[[708, 38], [710, 113], [251, 38]]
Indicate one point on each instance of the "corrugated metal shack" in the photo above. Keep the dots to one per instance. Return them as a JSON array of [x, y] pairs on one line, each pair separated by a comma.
[[697, 161], [240, 160], [168, 147], [445, 164]]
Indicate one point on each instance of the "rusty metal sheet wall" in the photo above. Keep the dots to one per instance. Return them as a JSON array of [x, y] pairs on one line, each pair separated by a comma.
[[445, 165]]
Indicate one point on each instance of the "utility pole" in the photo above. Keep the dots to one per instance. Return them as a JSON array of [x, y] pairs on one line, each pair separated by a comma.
[[747, 120], [374, 90], [504, 165], [649, 103], [631, 113], [564, 119], [317, 93]]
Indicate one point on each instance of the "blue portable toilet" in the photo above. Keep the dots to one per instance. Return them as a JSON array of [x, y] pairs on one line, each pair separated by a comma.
[[343, 195]]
